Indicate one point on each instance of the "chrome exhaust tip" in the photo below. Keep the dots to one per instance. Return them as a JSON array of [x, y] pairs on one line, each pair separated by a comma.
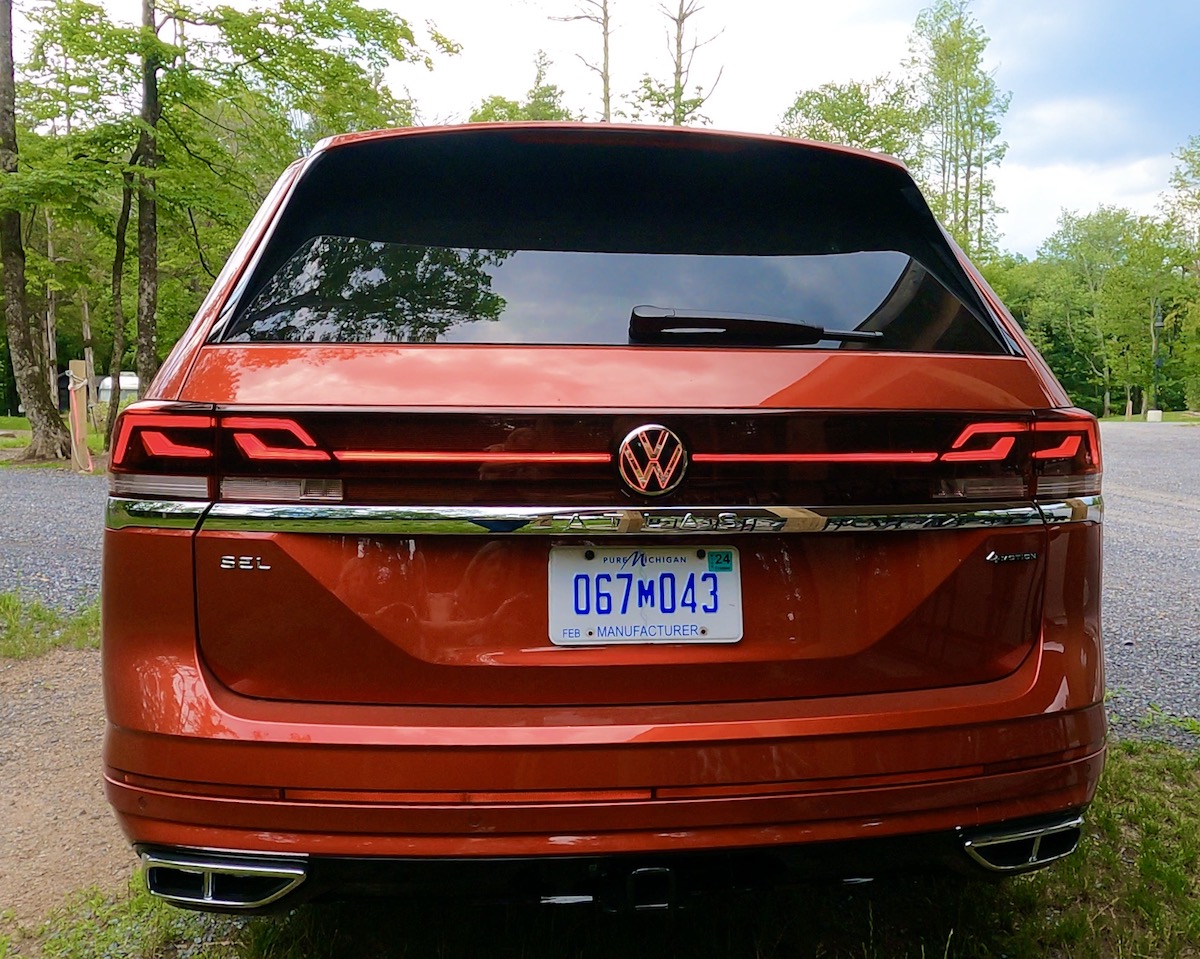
[[1024, 848], [220, 881]]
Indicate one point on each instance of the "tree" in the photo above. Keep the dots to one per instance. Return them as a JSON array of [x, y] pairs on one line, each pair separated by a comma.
[[1047, 300], [596, 11], [1183, 202], [668, 102], [544, 101], [962, 107], [50, 439], [877, 115], [195, 112], [1125, 276], [146, 157]]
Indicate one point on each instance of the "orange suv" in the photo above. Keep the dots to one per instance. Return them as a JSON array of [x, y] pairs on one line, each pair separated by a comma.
[[573, 512]]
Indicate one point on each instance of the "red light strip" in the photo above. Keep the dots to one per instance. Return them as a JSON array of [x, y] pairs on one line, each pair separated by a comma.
[[158, 444], [437, 456], [1065, 450], [256, 423], [256, 449], [814, 457], [976, 429], [997, 451]]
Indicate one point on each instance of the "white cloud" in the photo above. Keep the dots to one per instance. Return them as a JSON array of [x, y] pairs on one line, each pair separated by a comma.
[[771, 50], [1068, 127], [1036, 194]]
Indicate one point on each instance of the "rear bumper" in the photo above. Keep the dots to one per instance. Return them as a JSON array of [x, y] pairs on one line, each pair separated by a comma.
[[303, 797], [190, 763]]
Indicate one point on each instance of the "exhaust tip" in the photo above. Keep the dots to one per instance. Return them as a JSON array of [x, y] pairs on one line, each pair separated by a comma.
[[220, 882], [1028, 847]]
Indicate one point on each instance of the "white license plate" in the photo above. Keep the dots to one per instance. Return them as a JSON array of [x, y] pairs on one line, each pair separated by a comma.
[[653, 594]]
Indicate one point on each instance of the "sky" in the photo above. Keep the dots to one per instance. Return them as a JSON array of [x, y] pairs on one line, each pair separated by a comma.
[[1103, 91]]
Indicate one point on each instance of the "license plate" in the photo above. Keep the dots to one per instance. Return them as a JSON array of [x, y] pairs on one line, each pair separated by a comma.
[[660, 594]]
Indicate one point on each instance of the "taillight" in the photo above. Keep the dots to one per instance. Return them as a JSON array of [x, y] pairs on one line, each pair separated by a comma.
[[182, 451], [1066, 454], [163, 450], [1054, 455]]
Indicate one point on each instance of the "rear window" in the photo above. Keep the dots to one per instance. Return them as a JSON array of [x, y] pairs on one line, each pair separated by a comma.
[[536, 242]]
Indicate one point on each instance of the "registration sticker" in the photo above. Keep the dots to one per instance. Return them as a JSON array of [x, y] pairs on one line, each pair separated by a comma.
[[654, 594]]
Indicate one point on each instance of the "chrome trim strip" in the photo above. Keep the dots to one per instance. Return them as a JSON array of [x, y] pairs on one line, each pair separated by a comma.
[[153, 513], [567, 521], [1078, 509]]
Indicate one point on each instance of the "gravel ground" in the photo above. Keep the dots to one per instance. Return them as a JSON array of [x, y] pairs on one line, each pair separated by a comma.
[[1151, 576], [50, 524], [56, 834]]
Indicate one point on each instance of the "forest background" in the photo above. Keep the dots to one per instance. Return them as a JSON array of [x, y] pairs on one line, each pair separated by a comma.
[[145, 148]]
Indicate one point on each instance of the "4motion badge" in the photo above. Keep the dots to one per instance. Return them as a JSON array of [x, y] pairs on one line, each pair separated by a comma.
[[994, 557]]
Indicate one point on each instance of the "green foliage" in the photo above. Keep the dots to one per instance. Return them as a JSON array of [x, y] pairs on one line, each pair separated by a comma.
[[28, 628], [1192, 393], [662, 102], [1184, 199], [879, 115], [544, 101], [1116, 297], [244, 91]]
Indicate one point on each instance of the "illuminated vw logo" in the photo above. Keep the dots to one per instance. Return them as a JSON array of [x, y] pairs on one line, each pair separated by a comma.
[[652, 460]]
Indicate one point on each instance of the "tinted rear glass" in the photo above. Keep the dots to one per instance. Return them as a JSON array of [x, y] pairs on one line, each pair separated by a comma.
[[350, 290], [425, 240]]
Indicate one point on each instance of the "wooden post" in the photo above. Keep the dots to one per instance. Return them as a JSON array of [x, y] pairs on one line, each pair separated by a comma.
[[81, 456]]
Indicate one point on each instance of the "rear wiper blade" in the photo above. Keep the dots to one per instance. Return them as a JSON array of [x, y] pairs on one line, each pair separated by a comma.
[[655, 324]]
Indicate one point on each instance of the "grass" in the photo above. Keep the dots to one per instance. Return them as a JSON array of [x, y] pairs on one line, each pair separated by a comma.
[[28, 628], [91, 924], [1130, 891], [1169, 416], [95, 442]]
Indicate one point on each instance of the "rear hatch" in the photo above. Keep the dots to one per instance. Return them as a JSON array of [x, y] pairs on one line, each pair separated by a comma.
[[506, 417]]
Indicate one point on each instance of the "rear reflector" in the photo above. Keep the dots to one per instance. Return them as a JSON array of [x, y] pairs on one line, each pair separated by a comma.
[[983, 487], [263, 489], [161, 485]]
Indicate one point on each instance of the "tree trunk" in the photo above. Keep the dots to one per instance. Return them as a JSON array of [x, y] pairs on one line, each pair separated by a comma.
[[1128, 403], [677, 116], [118, 270], [604, 75], [51, 314], [147, 233], [50, 438]]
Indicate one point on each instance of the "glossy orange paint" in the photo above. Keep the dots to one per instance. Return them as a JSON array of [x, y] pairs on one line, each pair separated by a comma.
[[398, 620], [1028, 742], [521, 377], [371, 694]]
